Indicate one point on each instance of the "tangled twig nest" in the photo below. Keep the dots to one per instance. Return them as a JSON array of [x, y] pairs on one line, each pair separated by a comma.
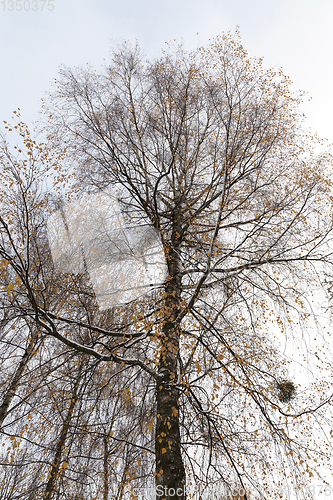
[[287, 391]]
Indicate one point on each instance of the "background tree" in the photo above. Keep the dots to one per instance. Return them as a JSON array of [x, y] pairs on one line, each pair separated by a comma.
[[63, 416], [207, 147]]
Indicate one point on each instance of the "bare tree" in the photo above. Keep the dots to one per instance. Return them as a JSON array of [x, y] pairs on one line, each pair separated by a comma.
[[60, 409], [207, 148]]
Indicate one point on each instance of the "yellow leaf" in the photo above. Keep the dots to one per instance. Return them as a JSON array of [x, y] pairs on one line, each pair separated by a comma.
[[174, 411], [163, 450]]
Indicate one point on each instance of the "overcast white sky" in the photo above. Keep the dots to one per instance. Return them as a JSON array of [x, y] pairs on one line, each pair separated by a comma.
[[294, 34]]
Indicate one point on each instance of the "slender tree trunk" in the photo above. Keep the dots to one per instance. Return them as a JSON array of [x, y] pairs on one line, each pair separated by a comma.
[[106, 469], [51, 484], [170, 471], [17, 377], [124, 480]]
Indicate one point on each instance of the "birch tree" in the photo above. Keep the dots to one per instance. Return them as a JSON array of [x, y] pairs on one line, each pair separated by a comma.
[[207, 148]]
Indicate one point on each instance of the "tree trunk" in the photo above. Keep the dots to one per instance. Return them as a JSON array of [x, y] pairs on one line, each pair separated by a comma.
[[105, 469], [17, 377], [55, 470], [170, 471]]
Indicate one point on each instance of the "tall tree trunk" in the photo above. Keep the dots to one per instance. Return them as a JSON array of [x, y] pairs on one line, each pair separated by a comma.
[[170, 470], [55, 470], [17, 377], [124, 480], [106, 469]]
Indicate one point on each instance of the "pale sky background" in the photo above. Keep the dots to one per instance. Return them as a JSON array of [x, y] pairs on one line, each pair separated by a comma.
[[294, 34]]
